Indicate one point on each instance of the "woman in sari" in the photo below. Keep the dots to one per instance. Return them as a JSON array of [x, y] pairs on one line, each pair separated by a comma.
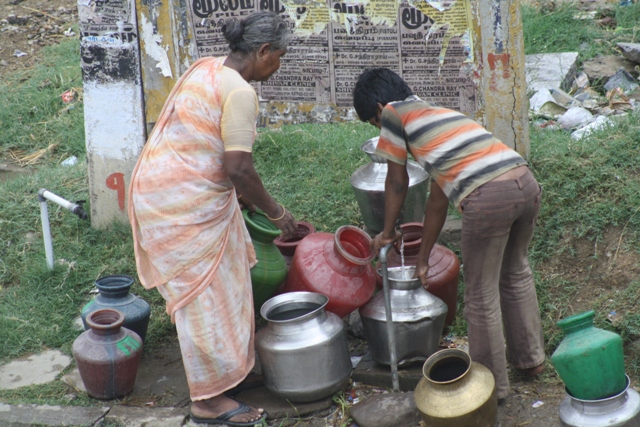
[[190, 240]]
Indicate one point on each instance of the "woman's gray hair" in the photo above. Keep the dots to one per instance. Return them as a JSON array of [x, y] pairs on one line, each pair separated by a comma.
[[248, 35]]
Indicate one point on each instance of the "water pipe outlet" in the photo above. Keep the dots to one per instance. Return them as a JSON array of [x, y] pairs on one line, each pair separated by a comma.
[[76, 208]]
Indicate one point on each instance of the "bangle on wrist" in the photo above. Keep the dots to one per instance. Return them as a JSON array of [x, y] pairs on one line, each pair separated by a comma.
[[284, 211]]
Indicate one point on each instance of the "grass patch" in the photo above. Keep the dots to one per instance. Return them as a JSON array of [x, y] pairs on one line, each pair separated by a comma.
[[38, 118], [559, 29], [308, 168], [588, 185], [38, 305]]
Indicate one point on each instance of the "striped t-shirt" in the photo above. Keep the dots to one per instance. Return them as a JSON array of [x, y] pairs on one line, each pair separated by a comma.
[[458, 153]]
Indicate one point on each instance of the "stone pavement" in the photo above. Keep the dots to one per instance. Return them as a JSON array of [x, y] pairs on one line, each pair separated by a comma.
[[160, 396]]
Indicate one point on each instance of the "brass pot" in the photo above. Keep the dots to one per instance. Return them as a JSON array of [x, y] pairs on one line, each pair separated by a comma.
[[455, 391]]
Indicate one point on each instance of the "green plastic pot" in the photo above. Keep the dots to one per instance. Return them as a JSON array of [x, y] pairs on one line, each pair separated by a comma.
[[589, 360], [271, 270]]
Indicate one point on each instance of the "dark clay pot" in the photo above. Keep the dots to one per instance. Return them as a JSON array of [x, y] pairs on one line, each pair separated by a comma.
[[107, 355], [114, 293], [288, 247]]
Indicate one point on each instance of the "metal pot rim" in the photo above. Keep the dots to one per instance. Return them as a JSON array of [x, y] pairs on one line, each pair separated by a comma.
[[604, 400], [289, 297], [401, 284], [444, 354]]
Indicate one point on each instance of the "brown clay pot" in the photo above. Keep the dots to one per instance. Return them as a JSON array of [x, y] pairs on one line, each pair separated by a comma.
[[107, 355], [287, 247], [444, 267]]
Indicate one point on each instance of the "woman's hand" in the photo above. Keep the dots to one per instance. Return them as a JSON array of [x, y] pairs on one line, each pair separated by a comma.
[[245, 204], [286, 222], [382, 240]]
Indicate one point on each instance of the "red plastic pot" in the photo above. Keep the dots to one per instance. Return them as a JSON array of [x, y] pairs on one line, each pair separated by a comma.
[[336, 265]]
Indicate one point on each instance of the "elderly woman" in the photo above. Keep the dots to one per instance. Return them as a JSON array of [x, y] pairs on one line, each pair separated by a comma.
[[189, 236], [491, 185]]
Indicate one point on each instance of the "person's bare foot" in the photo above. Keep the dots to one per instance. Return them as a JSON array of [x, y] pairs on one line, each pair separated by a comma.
[[216, 406], [535, 371]]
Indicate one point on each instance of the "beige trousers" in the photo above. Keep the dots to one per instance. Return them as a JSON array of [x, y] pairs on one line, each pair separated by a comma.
[[498, 219]]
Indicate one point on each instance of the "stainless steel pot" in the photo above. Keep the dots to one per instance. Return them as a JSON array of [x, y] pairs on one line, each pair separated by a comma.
[[621, 410], [303, 350], [417, 316], [368, 185]]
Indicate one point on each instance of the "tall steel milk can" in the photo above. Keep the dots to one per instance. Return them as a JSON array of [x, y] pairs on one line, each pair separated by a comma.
[[368, 185], [418, 319], [303, 350]]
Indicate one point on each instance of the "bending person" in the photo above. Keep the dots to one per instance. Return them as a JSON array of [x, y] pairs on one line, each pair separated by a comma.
[[190, 240], [491, 185]]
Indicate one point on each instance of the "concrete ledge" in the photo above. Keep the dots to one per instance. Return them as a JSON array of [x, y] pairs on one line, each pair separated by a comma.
[[48, 415], [370, 373], [131, 416]]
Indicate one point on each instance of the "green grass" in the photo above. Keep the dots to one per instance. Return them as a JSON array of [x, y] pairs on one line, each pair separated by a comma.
[[588, 185], [37, 305], [308, 168], [38, 117], [558, 29]]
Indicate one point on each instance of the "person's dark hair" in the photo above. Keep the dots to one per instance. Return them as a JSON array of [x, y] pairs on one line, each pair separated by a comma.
[[378, 85], [246, 36]]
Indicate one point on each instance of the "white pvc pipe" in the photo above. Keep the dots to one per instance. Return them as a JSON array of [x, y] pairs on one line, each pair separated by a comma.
[[46, 232], [43, 196], [57, 199]]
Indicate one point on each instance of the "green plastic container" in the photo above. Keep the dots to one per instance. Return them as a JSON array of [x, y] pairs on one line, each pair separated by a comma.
[[271, 270], [589, 360]]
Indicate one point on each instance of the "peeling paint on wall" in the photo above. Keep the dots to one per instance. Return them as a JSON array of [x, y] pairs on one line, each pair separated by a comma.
[[455, 15], [153, 47]]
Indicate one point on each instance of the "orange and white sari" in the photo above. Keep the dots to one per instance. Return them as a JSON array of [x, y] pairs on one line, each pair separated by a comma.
[[189, 236]]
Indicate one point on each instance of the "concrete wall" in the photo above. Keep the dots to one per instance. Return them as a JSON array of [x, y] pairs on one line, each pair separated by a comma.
[[129, 46], [113, 103], [503, 87]]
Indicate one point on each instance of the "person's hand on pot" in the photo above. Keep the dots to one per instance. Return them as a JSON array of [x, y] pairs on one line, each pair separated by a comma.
[[422, 269], [285, 222], [381, 240]]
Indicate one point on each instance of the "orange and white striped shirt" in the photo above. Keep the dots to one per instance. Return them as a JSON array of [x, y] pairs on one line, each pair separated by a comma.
[[458, 153]]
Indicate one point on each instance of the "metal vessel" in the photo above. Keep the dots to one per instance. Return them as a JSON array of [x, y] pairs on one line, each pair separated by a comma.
[[418, 319], [444, 266], [368, 185], [455, 391], [303, 350], [621, 410]]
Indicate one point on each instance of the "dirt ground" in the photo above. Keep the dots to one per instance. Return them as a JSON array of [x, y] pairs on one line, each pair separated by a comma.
[[26, 26], [595, 270]]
